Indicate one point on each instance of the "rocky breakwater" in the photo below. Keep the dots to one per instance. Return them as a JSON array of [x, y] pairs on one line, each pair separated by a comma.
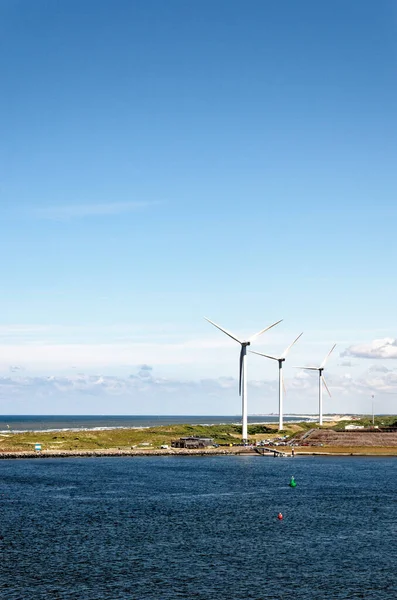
[[127, 452]]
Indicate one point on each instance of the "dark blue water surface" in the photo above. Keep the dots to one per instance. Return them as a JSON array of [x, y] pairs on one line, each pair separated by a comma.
[[161, 528]]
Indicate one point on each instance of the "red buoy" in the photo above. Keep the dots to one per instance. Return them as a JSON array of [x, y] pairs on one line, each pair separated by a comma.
[[280, 516]]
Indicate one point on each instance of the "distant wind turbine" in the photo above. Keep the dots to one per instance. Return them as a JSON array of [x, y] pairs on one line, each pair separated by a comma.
[[280, 360], [242, 386], [321, 380]]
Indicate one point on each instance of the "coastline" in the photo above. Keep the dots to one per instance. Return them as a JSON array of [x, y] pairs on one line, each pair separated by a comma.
[[114, 452], [301, 438], [235, 451], [75, 423]]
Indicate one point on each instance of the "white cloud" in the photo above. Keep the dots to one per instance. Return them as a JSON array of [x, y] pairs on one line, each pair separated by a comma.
[[173, 371], [141, 389], [381, 383], [79, 211], [143, 392], [140, 393], [382, 348], [346, 363], [379, 369]]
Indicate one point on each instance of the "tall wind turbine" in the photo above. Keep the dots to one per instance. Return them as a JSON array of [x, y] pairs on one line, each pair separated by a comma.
[[321, 380], [242, 386], [280, 360]]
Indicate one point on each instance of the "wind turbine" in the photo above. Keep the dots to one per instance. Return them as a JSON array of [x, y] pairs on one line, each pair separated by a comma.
[[280, 360], [321, 380], [242, 386]]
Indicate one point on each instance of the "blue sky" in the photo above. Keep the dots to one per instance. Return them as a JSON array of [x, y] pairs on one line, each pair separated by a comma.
[[161, 161]]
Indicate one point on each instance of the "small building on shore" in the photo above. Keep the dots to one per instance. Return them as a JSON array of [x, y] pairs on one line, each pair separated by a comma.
[[192, 442]]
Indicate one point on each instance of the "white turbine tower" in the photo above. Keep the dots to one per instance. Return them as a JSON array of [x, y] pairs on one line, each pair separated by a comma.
[[243, 369], [321, 380], [280, 360]]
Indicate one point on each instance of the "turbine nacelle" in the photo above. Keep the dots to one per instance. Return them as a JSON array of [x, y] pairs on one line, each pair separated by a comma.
[[236, 339], [280, 360], [242, 384], [321, 381]]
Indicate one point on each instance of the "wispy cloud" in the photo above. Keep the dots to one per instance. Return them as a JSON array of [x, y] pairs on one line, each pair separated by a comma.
[[144, 379], [379, 369], [141, 390], [346, 363], [81, 211], [15, 368], [383, 348]]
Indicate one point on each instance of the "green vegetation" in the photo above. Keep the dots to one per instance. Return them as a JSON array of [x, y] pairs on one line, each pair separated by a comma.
[[154, 437], [366, 421], [127, 438]]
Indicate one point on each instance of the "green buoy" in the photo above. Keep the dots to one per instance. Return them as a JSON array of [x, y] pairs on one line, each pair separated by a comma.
[[292, 483]]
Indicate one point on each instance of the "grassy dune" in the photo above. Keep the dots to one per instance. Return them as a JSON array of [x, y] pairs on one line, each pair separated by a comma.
[[127, 438], [154, 437]]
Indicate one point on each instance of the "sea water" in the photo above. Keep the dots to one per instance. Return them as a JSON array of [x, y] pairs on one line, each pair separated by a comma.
[[161, 528]]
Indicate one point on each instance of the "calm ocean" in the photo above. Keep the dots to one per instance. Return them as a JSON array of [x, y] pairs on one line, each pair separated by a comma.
[[50, 422], [163, 528]]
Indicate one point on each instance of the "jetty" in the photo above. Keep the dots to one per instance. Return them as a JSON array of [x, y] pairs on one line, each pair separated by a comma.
[[264, 450]]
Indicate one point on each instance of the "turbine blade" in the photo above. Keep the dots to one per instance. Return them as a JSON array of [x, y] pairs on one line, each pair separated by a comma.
[[284, 354], [224, 330], [240, 379], [308, 368], [253, 337], [326, 387], [282, 376], [326, 358], [265, 355]]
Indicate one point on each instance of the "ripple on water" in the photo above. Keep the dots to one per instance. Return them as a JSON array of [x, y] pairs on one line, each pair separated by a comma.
[[160, 529]]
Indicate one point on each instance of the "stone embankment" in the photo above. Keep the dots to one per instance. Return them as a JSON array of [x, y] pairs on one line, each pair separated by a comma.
[[369, 438], [125, 452]]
